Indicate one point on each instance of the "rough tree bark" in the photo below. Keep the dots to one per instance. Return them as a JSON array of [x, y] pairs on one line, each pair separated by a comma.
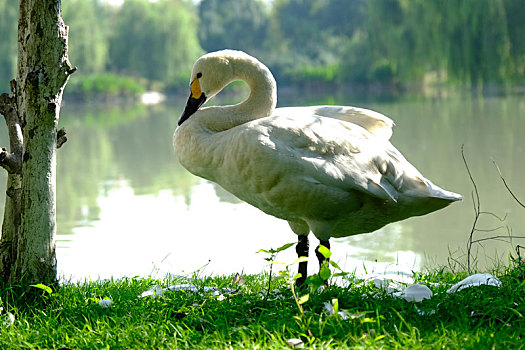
[[31, 111]]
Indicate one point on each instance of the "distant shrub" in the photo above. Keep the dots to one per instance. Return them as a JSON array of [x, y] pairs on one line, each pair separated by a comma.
[[314, 74], [104, 86], [382, 71]]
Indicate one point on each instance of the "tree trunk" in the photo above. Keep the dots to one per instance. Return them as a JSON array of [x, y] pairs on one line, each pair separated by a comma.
[[27, 248]]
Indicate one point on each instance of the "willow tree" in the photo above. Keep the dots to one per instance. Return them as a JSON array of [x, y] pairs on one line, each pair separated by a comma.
[[31, 111]]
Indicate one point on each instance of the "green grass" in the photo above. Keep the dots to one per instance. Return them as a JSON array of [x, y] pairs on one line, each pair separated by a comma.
[[481, 317]]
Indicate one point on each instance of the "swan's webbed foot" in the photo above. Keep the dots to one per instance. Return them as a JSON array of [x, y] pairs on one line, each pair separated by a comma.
[[302, 250]]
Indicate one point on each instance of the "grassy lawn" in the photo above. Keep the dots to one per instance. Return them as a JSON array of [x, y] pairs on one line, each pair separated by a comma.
[[242, 315]]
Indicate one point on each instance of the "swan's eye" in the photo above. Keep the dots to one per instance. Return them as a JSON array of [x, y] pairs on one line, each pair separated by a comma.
[[199, 75]]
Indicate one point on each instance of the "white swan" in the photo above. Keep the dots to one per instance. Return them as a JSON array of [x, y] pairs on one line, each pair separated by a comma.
[[326, 169]]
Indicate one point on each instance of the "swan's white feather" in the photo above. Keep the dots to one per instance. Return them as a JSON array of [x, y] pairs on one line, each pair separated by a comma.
[[376, 123]]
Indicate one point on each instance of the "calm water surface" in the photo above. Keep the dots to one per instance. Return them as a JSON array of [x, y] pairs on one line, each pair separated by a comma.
[[125, 206]]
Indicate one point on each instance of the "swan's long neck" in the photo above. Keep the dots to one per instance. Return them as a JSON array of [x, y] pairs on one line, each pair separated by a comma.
[[260, 103]]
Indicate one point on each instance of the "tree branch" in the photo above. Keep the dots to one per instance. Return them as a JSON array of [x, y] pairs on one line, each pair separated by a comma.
[[61, 137], [11, 161], [477, 208], [501, 238], [6, 105], [505, 183]]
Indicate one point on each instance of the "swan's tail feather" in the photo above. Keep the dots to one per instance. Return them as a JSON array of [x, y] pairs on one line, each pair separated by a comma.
[[426, 189], [438, 192]]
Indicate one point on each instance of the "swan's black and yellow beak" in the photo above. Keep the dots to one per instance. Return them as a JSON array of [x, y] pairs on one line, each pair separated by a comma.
[[196, 99]]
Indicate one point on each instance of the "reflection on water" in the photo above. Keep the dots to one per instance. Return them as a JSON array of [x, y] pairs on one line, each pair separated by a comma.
[[126, 208]]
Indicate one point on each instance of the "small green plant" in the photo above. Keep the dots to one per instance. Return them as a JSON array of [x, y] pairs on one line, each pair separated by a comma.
[[313, 283], [325, 274], [271, 260]]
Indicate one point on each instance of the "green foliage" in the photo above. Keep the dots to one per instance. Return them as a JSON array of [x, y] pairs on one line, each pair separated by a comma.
[[314, 74], [305, 41], [361, 317], [233, 24], [515, 12], [106, 86], [474, 43], [382, 71], [88, 34], [307, 29], [157, 41], [478, 43]]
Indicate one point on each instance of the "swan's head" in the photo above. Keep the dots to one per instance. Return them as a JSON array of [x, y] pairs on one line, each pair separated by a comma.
[[210, 74]]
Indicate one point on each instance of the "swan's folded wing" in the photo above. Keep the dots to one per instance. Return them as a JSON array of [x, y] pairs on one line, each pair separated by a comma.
[[376, 123], [332, 152]]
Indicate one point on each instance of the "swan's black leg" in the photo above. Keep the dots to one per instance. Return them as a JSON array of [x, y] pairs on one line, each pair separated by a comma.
[[320, 256], [302, 250]]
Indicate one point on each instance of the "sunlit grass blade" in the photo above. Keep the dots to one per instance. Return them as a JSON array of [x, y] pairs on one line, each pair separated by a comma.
[[43, 287]]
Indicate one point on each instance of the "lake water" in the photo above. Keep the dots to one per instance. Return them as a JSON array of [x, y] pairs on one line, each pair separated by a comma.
[[125, 207]]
